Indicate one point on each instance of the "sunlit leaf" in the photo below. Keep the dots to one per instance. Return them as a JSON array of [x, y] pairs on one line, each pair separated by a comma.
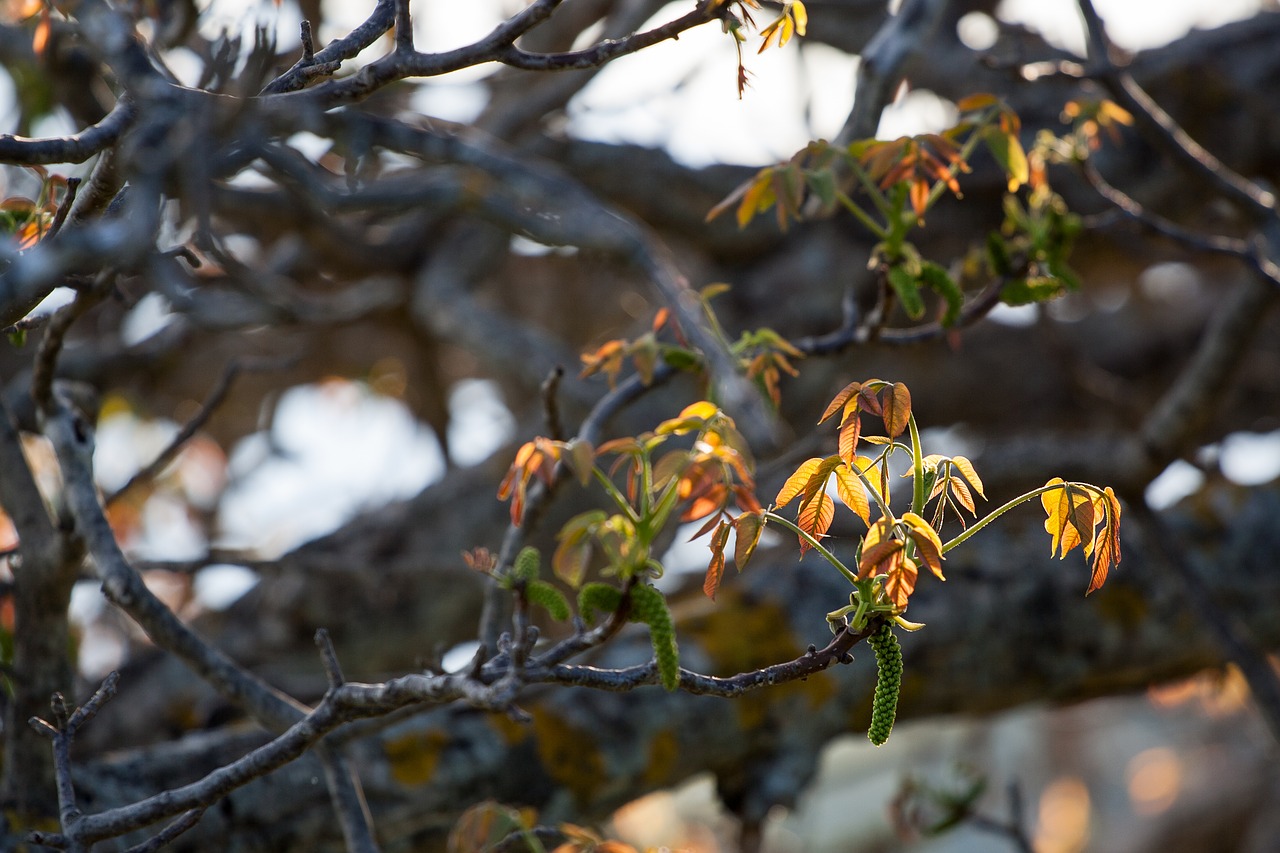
[[848, 442], [897, 409], [1106, 552], [815, 517], [975, 102], [966, 468], [715, 569], [748, 526], [962, 495], [853, 493], [901, 581], [798, 482], [928, 543], [838, 402], [877, 558]]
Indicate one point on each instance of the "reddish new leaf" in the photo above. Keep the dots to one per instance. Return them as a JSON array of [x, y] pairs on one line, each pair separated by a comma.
[[900, 581], [897, 408], [715, 570], [849, 432], [837, 403]]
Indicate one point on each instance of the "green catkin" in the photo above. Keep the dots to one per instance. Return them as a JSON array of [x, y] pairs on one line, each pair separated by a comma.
[[884, 707], [649, 606], [548, 597], [595, 597], [527, 565]]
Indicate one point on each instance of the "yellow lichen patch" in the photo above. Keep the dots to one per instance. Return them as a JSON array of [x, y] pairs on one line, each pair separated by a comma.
[[663, 755], [738, 636], [508, 729], [570, 755], [413, 757]]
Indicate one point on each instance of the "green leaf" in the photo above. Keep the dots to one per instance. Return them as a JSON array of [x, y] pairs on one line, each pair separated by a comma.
[[908, 289], [941, 283]]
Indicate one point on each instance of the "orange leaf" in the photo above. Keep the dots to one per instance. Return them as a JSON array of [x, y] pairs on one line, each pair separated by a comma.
[[815, 517], [897, 408], [853, 493], [1106, 552], [840, 399], [966, 468], [927, 542], [797, 482], [715, 570], [850, 431], [901, 581], [876, 559]]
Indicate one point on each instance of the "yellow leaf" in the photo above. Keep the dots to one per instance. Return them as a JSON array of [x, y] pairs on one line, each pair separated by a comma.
[[966, 468], [976, 102], [801, 16], [749, 526], [797, 482]]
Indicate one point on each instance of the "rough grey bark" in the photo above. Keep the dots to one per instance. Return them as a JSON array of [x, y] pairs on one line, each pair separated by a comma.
[[415, 264]]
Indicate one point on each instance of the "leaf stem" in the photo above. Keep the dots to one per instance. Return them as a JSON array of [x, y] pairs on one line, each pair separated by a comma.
[[813, 543], [1023, 498]]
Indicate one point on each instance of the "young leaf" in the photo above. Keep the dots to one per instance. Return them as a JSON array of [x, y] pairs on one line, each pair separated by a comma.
[[847, 393], [850, 431], [853, 493], [897, 409], [748, 527], [715, 570], [1106, 552], [900, 581], [798, 482], [908, 289], [927, 542], [815, 517], [966, 468]]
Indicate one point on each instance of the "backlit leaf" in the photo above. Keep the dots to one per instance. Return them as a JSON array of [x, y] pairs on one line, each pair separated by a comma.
[[901, 581], [837, 402], [927, 542], [897, 409], [876, 559], [715, 569], [853, 493], [849, 432], [815, 517], [748, 526], [966, 468], [798, 481]]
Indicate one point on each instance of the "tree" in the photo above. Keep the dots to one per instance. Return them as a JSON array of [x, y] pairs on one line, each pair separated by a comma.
[[387, 257]]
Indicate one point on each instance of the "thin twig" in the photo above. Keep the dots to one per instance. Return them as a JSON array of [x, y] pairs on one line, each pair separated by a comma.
[[191, 427]]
